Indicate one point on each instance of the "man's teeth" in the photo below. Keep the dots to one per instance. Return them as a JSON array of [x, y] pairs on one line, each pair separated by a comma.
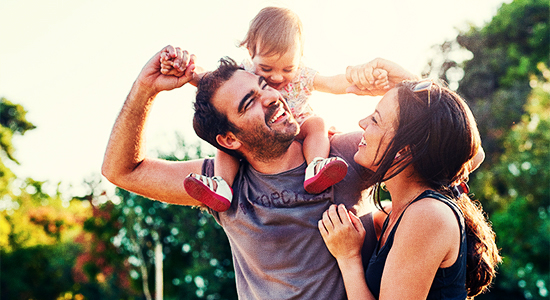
[[363, 142], [276, 116]]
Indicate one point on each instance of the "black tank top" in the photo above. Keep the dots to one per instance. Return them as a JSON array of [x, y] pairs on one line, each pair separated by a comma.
[[449, 283]]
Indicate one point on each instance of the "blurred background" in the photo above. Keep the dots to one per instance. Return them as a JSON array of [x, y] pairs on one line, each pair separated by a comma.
[[67, 66]]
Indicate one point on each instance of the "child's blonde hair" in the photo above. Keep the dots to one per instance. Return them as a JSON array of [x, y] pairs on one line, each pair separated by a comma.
[[279, 29]]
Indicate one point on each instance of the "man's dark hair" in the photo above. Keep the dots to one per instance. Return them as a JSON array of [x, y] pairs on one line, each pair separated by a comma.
[[208, 122]]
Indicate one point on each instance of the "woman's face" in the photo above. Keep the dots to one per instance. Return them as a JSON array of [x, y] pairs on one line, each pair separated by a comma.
[[379, 129]]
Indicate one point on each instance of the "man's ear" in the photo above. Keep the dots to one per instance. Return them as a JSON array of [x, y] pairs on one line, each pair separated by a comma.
[[229, 141]]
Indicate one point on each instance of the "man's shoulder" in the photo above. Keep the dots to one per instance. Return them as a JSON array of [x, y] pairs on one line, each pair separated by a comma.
[[345, 142], [345, 146]]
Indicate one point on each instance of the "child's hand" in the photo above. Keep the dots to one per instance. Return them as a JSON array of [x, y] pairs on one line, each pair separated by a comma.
[[332, 131], [381, 79], [364, 77], [367, 79]]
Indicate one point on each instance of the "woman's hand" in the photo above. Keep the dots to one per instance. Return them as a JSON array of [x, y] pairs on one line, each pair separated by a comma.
[[369, 78], [342, 232]]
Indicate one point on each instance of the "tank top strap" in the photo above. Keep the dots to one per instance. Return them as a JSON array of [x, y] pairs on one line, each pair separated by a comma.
[[431, 194]]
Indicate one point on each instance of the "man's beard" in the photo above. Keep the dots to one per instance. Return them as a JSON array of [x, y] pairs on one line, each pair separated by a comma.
[[265, 146]]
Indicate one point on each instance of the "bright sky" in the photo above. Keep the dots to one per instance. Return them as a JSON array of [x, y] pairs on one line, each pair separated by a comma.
[[71, 63]]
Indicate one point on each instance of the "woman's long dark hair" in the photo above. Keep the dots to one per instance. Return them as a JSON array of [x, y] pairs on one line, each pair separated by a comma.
[[440, 137]]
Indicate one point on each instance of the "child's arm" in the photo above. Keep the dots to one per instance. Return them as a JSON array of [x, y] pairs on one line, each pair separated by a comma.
[[336, 84], [341, 84]]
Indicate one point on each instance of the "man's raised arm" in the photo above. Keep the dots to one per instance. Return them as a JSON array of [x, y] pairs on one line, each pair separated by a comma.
[[125, 163]]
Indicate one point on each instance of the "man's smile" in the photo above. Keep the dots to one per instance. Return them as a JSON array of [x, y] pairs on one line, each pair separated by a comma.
[[278, 115]]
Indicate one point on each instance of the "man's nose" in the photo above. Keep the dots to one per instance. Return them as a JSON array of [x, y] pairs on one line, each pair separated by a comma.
[[269, 97]]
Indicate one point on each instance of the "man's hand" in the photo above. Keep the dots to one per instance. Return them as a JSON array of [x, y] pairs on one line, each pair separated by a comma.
[[364, 77], [153, 81]]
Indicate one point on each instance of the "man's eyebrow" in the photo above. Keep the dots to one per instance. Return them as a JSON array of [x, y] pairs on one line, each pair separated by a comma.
[[248, 95], [244, 99]]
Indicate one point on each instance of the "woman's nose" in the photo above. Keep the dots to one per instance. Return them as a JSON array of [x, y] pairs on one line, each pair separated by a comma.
[[363, 123]]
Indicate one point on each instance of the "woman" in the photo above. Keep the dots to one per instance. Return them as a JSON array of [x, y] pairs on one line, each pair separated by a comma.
[[435, 242]]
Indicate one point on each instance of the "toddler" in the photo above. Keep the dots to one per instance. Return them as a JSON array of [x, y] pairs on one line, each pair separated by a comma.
[[275, 44]]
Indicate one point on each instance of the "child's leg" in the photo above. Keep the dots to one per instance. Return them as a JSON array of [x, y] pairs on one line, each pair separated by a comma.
[[215, 192], [226, 166], [322, 172], [315, 136]]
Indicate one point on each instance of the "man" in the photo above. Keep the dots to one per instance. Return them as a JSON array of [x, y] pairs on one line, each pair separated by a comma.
[[278, 252]]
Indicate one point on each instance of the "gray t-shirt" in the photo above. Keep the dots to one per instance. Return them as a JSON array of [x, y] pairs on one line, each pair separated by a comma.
[[278, 252]]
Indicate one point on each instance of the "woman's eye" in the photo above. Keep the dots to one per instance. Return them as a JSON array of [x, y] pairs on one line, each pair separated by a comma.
[[266, 70]]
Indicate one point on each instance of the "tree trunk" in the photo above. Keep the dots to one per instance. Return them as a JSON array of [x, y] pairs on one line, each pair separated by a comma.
[[158, 270]]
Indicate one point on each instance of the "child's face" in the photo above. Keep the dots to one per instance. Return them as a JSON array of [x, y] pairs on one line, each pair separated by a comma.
[[278, 70]]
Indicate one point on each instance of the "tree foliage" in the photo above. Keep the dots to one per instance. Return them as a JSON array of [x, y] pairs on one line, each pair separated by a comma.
[[518, 187], [37, 225], [505, 52], [506, 84], [196, 254], [12, 121]]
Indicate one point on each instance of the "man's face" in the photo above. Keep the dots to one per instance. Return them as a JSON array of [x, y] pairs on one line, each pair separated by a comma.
[[267, 128]]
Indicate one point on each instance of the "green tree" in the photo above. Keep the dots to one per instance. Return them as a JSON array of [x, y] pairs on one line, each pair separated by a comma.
[[196, 256], [100, 271], [495, 80], [506, 84], [519, 187], [36, 227]]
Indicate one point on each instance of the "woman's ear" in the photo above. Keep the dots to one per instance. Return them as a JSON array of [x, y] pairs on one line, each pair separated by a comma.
[[402, 153], [229, 141]]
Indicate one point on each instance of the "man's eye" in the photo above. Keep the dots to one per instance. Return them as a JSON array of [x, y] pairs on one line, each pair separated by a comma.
[[249, 103]]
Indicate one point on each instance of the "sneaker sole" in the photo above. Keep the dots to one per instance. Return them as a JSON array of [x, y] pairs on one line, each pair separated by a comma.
[[199, 191], [333, 173]]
